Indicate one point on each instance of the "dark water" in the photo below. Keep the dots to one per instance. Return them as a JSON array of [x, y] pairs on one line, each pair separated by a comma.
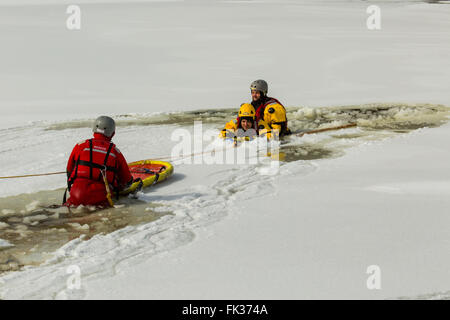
[[374, 122], [375, 116], [36, 226]]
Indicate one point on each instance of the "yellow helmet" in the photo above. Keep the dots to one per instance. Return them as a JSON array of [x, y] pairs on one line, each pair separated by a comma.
[[246, 111]]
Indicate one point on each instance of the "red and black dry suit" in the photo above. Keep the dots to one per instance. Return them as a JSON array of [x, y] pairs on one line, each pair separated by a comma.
[[85, 180]]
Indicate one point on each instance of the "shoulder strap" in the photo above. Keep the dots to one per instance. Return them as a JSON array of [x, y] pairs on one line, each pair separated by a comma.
[[90, 158], [70, 181], [261, 108], [111, 145]]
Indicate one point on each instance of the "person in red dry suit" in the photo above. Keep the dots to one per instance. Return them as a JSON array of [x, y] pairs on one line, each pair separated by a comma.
[[92, 160]]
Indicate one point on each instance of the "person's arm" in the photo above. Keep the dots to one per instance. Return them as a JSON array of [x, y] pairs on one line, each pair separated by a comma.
[[124, 174], [264, 130], [72, 160], [275, 116], [229, 130]]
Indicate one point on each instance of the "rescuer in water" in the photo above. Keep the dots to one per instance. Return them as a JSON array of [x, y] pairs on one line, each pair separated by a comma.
[[268, 109], [96, 168]]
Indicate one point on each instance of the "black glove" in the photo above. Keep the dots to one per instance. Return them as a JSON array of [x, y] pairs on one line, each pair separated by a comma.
[[141, 184], [139, 187]]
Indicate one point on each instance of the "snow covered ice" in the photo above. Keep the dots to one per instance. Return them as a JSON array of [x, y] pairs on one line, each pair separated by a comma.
[[376, 194]]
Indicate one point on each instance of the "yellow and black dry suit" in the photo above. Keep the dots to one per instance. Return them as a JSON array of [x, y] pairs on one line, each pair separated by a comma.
[[273, 114]]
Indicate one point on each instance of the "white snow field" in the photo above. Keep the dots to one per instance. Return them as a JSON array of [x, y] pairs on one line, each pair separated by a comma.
[[312, 230]]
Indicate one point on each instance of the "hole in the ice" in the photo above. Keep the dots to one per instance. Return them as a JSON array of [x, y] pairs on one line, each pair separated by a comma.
[[35, 226]]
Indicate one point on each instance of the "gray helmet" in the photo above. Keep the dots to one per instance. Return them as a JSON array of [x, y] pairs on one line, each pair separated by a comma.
[[260, 85], [104, 125]]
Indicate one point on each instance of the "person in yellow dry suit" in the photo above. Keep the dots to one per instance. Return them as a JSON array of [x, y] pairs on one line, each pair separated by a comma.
[[245, 126], [270, 110]]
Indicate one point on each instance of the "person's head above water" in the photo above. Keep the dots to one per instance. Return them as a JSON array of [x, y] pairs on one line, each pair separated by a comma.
[[247, 115], [105, 125], [246, 123], [259, 89]]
